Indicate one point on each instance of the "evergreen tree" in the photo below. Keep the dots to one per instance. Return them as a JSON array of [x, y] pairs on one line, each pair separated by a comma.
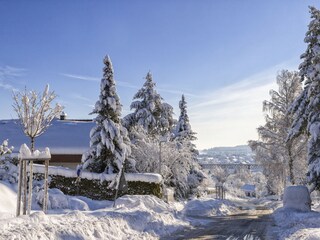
[[109, 143], [150, 112], [306, 108], [279, 157], [183, 133]]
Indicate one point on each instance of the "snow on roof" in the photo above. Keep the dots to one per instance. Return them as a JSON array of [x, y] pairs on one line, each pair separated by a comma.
[[62, 137], [249, 188]]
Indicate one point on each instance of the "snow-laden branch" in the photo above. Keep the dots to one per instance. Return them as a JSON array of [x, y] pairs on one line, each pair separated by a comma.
[[35, 111]]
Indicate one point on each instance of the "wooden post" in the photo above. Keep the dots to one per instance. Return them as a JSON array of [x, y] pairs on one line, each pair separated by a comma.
[[19, 188], [30, 186], [25, 186], [46, 173], [216, 192]]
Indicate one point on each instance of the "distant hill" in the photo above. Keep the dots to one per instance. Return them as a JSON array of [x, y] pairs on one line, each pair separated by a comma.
[[237, 154]]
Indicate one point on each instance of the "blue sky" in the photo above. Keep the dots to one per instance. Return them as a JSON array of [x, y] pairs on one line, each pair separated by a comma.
[[223, 55]]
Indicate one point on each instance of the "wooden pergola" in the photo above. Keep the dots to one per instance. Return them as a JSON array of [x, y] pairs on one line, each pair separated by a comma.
[[23, 190]]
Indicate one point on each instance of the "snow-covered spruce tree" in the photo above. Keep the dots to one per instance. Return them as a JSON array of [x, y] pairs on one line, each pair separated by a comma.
[[183, 137], [109, 142], [280, 158], [35, 111], [183, 133], [306, 108], [150, 112]]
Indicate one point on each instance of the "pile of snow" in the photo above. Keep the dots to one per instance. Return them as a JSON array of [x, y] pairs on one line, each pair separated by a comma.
[[66, 172], [208, 207], [8, 201], [296, 225], [25, 153], [134, 217], [297, 198]]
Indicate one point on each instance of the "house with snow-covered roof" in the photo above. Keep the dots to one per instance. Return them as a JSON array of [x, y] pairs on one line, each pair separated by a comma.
[[249, 190], [67, 139]]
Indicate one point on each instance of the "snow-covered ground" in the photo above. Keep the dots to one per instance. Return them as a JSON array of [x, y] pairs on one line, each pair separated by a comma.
[[296, 225], [133, 217]]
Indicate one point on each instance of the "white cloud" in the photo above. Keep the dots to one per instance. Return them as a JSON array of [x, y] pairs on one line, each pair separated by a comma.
[[229, 116], [8, 74], [126, 84], [177, 92], [80, 97], [95, 79], [81, 77]]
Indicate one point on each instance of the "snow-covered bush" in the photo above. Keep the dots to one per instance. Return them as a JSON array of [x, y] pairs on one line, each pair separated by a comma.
[[145, 150], [8, 164], [5, 149], [8, 169]]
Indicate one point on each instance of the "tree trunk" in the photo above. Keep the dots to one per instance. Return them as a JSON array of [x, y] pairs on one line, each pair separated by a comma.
[[32, 144], [290, 163]]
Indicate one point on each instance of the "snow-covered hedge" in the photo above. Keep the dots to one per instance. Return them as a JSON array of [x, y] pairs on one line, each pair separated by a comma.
[[95, 186]]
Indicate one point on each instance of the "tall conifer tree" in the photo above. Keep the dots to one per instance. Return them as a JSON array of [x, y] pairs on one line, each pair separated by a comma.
[[109, 143], [150, 112], [306, 108]]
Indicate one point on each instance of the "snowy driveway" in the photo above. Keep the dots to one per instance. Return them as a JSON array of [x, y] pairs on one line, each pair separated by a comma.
[[251, 224]]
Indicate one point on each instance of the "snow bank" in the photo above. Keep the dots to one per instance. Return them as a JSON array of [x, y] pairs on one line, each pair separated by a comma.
[[295, 225], [297, 198], [208, 207], [132, 177], [134, 217], [8, 201]]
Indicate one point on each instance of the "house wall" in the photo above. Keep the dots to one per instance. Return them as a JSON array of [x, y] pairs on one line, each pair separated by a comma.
[[66, 160]]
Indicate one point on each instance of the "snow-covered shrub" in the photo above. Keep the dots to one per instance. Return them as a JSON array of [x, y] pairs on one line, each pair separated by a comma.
[[58, 200], [145, 151], [8, 164], [96, 186], [297, 198], [8, 169], [5, 149]]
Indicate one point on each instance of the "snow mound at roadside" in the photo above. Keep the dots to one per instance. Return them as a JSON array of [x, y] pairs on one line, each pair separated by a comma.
[[135, 217], [146, 202], [208, 207], [296, 225], [154, 215], [8, 201]]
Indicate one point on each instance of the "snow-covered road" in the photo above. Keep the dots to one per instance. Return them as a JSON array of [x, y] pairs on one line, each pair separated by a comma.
[[251, 223]]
